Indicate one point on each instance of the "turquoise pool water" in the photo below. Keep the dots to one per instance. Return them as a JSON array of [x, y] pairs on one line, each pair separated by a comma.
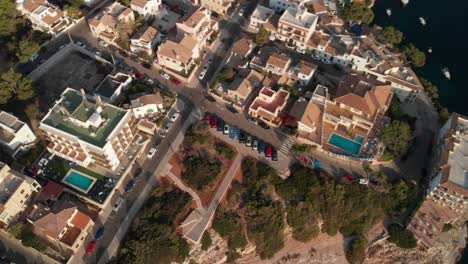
[[79, 181], [345, 144], [359, 139]]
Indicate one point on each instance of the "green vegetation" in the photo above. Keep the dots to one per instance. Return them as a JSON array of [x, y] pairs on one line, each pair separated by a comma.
[[390, 36], [359, 12], [229, 226], [433, 92], [447, 227], [402, 237], [153, 234], [25, 233], [356, 252], [223, 149], [303, 148], [200, 171], [206, 241], [262, 37], [197, 132], [397, 137], [14, 85], [413, 56], [303, 218]]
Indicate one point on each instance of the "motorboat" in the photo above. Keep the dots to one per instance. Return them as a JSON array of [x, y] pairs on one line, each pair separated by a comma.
[[404, 2], [429, 50], [422, 21], [389, 11], [446, 72]]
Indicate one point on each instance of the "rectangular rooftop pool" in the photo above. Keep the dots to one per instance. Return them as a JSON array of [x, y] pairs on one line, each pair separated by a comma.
[[352, 147], [79, 181]]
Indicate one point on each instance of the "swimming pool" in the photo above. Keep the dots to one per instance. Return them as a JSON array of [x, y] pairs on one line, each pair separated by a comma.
[[79, 180], [359, 139], [345, 144]]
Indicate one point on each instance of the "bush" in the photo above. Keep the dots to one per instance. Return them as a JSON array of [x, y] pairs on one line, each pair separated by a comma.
[[200, 171], [359, 12], [223, 149], [447, 227], [402, 237], [396, 137], [391, 36], [262, 37], [206, 241], [356, 253], [414, 56], [229, 226]]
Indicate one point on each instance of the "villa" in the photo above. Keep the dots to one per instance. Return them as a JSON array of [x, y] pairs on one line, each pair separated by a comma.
[[260, 17], [88, 131], [15, 135], [104, 24], [146, 8], [268, 106], [147, 105], [144, 40], [45, 16], [16, 190]]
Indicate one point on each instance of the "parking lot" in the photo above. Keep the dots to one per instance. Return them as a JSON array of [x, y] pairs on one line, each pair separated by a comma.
[[75, 70]]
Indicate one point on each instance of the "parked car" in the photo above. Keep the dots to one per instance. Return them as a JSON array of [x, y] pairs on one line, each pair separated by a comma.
[[149, 81], [118, 204], [232, 132], [129, 186], [81, 44], [151, 152], [236, 132], [252, 120], [98, 53], [99, 233], [90, 247], [268, 151], [175, 81], [274, 155], [202, 73], [137, 74], [213, 121], [241, 12], [261, 147], [210, 98], [219, 124], [248, 141], [207, 117], [34, 57], [167, 127], [241, 137], [255, 144], [146, 65], [232, 109], [363, 181], [226, 129], [174, 117], [62, 46], [263, 124], [165, 75]]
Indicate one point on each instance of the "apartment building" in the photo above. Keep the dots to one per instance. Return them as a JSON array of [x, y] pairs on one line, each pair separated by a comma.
[[144, 40], [194, 33], [45, 16], [146, 8], [268, 105], [260, 17], [147, 105], [295, 27], [112, 86], [64, 225], [104, 25], [87, 131], [15, 135], [220, 7], [449, 186], [16, 191]]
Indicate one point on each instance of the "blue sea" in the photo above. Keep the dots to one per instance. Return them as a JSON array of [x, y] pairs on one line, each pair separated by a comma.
[[446, 33]]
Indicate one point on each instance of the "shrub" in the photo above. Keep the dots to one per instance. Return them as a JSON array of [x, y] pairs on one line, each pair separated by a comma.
[[356, 253], [206, 241], [402, 237]]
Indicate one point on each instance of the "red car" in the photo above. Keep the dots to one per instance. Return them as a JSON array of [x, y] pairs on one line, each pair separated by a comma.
[[213, 121], [90, 248], [349, 177], [268, 151], [175, 81], [207, 117], [137, 74]]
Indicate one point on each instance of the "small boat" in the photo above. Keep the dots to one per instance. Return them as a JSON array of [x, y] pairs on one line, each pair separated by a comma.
[[429, 50], [389, 11], [422, 21], [446, 72], [404, 2]]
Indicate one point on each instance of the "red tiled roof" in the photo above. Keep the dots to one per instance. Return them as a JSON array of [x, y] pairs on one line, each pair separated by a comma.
[[51, 190], [80, 220]]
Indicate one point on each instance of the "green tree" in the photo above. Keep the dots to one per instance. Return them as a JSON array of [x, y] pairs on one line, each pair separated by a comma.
[[16, 230], [444, 114], [5, 92], [413, 56], [402, 237], [206, 241], [26, 48], [356, 253], [431, 90], [332, 206], [10, 22], [262, 37], [13, 83], [359, 12], [391, 36], [73, 11], [396, 137]]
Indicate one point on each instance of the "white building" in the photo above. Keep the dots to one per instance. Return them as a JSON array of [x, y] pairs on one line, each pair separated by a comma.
[[87, 131], [281, 5], [260, 16], [147, 105], [144, 40], [45, 16], [15, 192], [15, 135], [146, 8], [302, 72]]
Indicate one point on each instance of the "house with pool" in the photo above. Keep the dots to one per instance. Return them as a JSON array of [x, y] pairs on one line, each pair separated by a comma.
[[89, 132], [347, 121]]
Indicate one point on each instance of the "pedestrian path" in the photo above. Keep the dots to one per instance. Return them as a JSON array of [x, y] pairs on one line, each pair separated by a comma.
[[184, 188], [287, 145]]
